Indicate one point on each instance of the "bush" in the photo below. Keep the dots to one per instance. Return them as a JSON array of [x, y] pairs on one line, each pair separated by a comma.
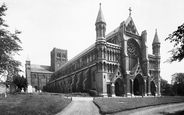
[[93, 93], [77, 94]]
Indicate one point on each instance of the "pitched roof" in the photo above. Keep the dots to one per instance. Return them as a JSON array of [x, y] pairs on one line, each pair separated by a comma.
[[78, 56], [100, 17], [112, 33], [40, 68]]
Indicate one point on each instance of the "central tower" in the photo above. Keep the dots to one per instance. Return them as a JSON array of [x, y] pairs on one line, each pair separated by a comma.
[[58, 58]]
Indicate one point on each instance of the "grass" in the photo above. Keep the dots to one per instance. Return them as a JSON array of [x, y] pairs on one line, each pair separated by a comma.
[[114, 105], [32, 104]]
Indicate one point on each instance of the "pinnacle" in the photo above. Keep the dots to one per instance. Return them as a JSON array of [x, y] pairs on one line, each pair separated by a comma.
[[100, 17], [156, 39]]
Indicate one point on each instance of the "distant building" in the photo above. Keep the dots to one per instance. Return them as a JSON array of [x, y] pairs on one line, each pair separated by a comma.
[[117, 64], [38, 75]]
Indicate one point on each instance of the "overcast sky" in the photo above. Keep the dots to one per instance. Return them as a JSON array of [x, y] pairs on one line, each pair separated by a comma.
[[70, 24]]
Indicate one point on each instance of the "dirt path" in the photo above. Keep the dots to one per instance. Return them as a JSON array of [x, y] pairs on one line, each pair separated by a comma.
[[80, 106], [155, 110]]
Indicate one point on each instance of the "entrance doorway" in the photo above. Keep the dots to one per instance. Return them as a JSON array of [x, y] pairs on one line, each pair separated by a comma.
[[153, 88], [139, 86], [136, 87], [119, 87]]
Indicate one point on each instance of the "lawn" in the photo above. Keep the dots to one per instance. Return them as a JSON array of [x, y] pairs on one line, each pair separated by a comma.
[[32, 104], [114, 105]]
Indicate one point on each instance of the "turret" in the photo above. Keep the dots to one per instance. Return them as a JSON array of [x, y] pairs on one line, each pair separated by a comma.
[[28, 74], [156, 45], [100, 35], [101, 74], [156, 52]]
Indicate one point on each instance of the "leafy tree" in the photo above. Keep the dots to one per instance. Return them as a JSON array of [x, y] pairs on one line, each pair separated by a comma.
[[166, 87], [178, 83], [9, 46], [21, 82], [177, 37]]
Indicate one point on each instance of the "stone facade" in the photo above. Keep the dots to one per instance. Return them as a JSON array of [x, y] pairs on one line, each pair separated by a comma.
[[117, 64]]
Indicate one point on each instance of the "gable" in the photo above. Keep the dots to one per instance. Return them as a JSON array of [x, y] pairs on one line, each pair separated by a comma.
[[130, 26]]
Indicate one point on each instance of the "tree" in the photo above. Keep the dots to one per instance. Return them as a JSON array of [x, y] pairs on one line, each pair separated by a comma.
[[178, 83], [9, 46], [166, 87], [178, 38], [20, 82]]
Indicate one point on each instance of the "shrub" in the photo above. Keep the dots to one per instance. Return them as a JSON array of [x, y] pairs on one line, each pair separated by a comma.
[[77, 94], [93, 93]]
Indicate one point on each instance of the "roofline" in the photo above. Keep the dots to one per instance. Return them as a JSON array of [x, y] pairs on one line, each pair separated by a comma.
[[87, 50]]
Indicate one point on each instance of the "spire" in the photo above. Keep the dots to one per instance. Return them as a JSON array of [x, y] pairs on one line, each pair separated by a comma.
[[156, 45], [100, 17], [28, 61], [156, 39]]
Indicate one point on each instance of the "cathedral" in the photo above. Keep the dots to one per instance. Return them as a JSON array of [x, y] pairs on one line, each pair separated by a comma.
[[117, 64]]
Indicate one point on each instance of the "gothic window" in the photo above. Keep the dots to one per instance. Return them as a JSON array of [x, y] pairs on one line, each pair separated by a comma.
[[87, 60], [104, 54], [110, 56], [90, 57], [58, 56], [93, 56], [63, 55], [100, 66], [132, 49]]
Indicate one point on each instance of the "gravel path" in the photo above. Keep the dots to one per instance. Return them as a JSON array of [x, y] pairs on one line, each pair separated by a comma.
[[80, 106], [155, 110]]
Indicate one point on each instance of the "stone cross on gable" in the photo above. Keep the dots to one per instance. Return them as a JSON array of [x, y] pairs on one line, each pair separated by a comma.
[[130, 10]]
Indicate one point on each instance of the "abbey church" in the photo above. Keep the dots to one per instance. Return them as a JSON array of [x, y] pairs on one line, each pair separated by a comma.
[[117, 64]]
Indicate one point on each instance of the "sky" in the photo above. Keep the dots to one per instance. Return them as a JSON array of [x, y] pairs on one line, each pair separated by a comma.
[[70, 24]]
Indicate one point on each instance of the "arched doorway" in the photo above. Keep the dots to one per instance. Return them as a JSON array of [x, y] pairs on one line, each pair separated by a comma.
[[119, 87], [153, 88], [139, 86], [136, 87]]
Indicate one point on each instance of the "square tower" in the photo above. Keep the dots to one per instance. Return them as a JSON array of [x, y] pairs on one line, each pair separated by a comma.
[[58, 58]]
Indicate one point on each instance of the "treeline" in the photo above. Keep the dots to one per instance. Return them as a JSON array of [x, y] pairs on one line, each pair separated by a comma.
[[176, 88]]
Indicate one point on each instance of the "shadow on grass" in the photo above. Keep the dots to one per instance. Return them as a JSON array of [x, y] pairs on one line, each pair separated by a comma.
[[100, 112], [176, 113]]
